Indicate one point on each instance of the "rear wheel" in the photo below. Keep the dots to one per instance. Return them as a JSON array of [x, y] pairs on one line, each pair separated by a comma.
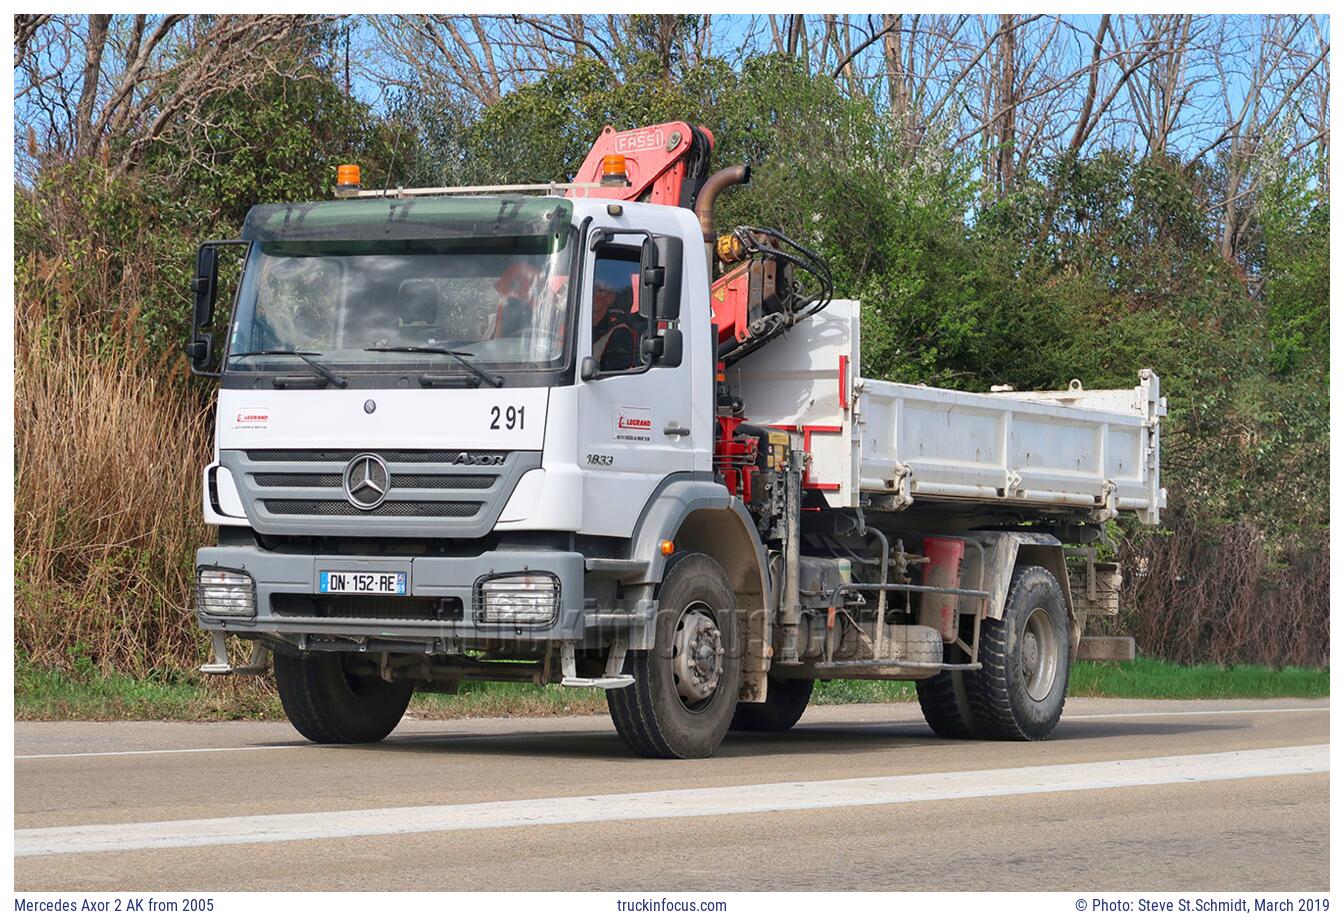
[[1019, 692], [331, 702], [946, 706], [785, 700], [686, 686], [945, 699]]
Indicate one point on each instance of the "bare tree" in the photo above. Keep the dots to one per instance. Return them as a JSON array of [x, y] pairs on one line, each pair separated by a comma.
[[470, 61], [1023, 90], [1164, 83], [1264, 128], [137, 76]]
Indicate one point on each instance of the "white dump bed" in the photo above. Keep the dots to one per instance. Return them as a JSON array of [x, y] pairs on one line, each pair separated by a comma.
[[890, 445]]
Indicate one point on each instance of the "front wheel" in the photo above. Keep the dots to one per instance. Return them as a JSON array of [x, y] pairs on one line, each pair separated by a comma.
[[1019, 692], [686, 686], [332, 701]]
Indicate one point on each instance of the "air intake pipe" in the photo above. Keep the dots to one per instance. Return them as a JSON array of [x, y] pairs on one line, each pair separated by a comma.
[[704, 202]]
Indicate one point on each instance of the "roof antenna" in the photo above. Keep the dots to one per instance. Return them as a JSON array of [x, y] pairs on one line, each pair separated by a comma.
[[390, 163]]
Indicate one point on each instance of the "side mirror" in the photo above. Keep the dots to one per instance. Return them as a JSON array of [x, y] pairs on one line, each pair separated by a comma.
[[660, 277], [667, 352], [588, 368], [199, 351], [203, 285]]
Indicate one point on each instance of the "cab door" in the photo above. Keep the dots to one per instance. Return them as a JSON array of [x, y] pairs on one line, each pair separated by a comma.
[[636, 421]]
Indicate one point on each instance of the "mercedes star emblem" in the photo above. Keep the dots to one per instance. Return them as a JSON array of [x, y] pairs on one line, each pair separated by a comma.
[[366, 481]]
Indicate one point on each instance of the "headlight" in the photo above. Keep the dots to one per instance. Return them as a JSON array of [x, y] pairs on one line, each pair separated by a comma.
[[518, 600], [223, 593]]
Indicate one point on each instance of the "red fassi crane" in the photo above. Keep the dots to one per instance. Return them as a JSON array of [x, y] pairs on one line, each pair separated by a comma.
[[757, 295]]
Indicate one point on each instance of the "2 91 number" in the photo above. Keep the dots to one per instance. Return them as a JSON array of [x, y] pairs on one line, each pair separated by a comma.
[[508, 418]]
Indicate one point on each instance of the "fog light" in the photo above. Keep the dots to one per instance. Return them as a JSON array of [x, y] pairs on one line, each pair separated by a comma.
[[518, 600], [223, 593]]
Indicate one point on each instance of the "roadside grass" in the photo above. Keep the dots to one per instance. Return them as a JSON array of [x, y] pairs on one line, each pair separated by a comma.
[[1149, 678], [45, 694]]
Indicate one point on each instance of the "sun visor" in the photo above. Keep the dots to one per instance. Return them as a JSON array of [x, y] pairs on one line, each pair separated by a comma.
[[445, 218]]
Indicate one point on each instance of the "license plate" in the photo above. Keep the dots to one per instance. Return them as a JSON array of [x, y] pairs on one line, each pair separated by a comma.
[[361, 583]]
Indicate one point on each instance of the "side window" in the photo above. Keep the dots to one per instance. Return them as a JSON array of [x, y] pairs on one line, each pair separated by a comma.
[[618, 325]]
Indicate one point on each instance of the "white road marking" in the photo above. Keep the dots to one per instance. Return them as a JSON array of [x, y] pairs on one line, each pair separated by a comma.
[[306, 745], [208, 750], [1191, 712], [441, 735], [678, 803]]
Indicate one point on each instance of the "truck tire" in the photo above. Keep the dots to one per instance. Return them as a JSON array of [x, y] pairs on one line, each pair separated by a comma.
[[1019, 692], [330, 705], [686, 686], [785, 700], [946, 705]]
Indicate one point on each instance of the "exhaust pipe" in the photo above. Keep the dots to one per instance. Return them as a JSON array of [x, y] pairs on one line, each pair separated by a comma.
[[704, 202]]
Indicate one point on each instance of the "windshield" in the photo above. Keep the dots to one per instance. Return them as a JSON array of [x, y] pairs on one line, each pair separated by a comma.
[[501, 303]]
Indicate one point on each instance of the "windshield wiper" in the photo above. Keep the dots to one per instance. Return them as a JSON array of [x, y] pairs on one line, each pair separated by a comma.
[[322, 371], [493, 380]]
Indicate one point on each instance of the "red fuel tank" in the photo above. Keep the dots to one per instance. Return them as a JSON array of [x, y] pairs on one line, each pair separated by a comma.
[[943, 570]]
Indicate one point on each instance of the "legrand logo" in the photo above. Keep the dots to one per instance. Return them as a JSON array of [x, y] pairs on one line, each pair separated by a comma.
[[469, 459], [633, 423], [252, 417]]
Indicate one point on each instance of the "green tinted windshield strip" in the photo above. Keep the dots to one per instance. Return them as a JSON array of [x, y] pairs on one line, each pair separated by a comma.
[[525, 245], [444, 218]]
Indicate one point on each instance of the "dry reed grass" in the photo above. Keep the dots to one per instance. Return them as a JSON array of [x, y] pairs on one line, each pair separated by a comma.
[[109, 444], [1199, 593]]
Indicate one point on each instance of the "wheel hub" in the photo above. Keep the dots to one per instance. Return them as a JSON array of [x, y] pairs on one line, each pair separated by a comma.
[[697, 656], [1040, 655], [1031, 654]]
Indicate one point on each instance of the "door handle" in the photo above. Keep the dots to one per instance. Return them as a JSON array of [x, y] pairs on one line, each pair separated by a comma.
[[675, 428]]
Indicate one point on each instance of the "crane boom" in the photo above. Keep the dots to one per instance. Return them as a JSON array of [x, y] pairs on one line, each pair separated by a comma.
[[757, 294]]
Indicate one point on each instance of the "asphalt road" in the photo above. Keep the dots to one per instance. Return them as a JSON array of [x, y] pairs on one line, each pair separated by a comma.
[[1128, 795]]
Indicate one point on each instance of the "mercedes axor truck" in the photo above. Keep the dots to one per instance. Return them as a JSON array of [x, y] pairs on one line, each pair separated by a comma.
[[577, 434]]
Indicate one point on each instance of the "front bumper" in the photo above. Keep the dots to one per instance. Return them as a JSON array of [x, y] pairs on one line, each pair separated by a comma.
[[439, 609]]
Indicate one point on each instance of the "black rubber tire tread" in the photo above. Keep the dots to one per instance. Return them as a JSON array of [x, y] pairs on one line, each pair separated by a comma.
[[320, 703], [648, 716], [945, 699], [998, 698], [629, 718], [785, 701], [946, 705]]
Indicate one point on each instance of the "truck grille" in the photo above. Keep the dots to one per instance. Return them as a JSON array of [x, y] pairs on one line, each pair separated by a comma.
[[386, 509], [444, 609], [430, 492], [404, 481]]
